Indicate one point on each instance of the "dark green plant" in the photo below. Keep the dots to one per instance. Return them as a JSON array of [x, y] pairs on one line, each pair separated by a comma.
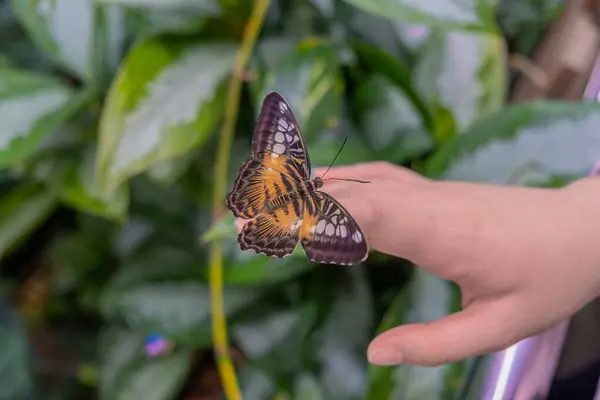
[[115, 121]]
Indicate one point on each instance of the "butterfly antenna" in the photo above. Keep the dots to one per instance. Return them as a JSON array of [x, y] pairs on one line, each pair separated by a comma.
[[334, 158], [349, 180], [340, 179]]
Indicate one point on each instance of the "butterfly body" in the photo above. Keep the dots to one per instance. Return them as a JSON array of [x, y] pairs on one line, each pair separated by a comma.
[[274, 191]]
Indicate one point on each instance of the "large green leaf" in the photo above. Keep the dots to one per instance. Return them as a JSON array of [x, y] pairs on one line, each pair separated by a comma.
[[308, 76], [21, 211], [208, 7], [255, 384], [127, 373], [75, 33], [527, 143], [180, 310], [248, 268], [165, 101], [344, 338], [16, 373], [428, 298], [364, 27], [275, 338], [390, 120], [376, 61], [447, 14], [463, 72], [307, 387], [80, 191], [31, 107]]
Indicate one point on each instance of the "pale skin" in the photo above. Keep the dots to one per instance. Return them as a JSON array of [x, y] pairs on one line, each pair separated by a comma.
[[525, 258]]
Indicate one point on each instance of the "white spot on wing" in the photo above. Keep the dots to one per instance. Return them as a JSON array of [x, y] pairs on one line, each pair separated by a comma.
[[329, 230], [321, 226], [279, 137], [282, 107], [334, 219], [284, 125], [279, 148], [343, 231], [296, 224]]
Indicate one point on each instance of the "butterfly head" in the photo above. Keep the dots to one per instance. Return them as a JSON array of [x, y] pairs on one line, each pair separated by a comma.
[[318, 182]]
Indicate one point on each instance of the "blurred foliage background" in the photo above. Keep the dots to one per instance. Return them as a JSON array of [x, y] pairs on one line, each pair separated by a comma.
[[110, 116]]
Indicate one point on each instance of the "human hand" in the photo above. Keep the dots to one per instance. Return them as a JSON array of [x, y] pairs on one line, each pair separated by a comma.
[[525, 258]]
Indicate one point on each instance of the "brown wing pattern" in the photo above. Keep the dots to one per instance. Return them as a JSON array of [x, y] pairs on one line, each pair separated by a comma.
[[336, 237], [259, 182], [278, 132], [274, 233]]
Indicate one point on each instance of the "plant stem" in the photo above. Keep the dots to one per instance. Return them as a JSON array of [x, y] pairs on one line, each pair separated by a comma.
[[219, 326]]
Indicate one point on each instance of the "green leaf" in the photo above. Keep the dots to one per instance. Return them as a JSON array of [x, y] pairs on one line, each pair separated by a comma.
[[21, 211], [155, 21], [344, 338], [127, 373], [51, 25], [158, 263], [168, 172], [31, 107], [165, 101], [248, 268], [323, 149], [275, 338], [308, 77], [524, 143], [16, 375], [428, 298], [363, 27], [180, 310], [376, 61], [306, 387], [255, 384], [80, 191], [463, 72], [381, 380], [206, 7], [392, 123], [473, 15]]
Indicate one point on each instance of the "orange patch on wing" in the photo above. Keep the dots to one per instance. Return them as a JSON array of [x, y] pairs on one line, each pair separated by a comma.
[[286, 216], [309, 223]]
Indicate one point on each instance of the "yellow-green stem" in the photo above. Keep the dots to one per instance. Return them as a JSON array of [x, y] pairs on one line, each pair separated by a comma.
[[219, 326]]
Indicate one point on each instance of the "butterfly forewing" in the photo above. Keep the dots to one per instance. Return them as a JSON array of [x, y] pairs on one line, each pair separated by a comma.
[[258, 183], [277, 131], [336, 238]]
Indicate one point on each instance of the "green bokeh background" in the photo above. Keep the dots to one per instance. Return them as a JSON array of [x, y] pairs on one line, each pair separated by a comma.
[[109, 119]]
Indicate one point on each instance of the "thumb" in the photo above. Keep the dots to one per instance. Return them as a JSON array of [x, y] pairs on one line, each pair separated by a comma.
[[481, 328]]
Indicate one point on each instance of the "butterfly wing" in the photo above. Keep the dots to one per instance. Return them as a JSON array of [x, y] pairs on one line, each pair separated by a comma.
[[336, 238], [278, 132], [279, 160], [276, 232], [259, 182]]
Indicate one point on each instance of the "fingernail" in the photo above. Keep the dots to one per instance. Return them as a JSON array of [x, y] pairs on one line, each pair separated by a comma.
[[385, 356]]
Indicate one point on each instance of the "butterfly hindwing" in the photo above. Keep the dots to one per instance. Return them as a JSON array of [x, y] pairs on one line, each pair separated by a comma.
[[278, 132], [336, 237], [274, 233]]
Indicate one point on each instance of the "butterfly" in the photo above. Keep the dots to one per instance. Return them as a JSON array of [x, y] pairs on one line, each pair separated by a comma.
[[273, 190]]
